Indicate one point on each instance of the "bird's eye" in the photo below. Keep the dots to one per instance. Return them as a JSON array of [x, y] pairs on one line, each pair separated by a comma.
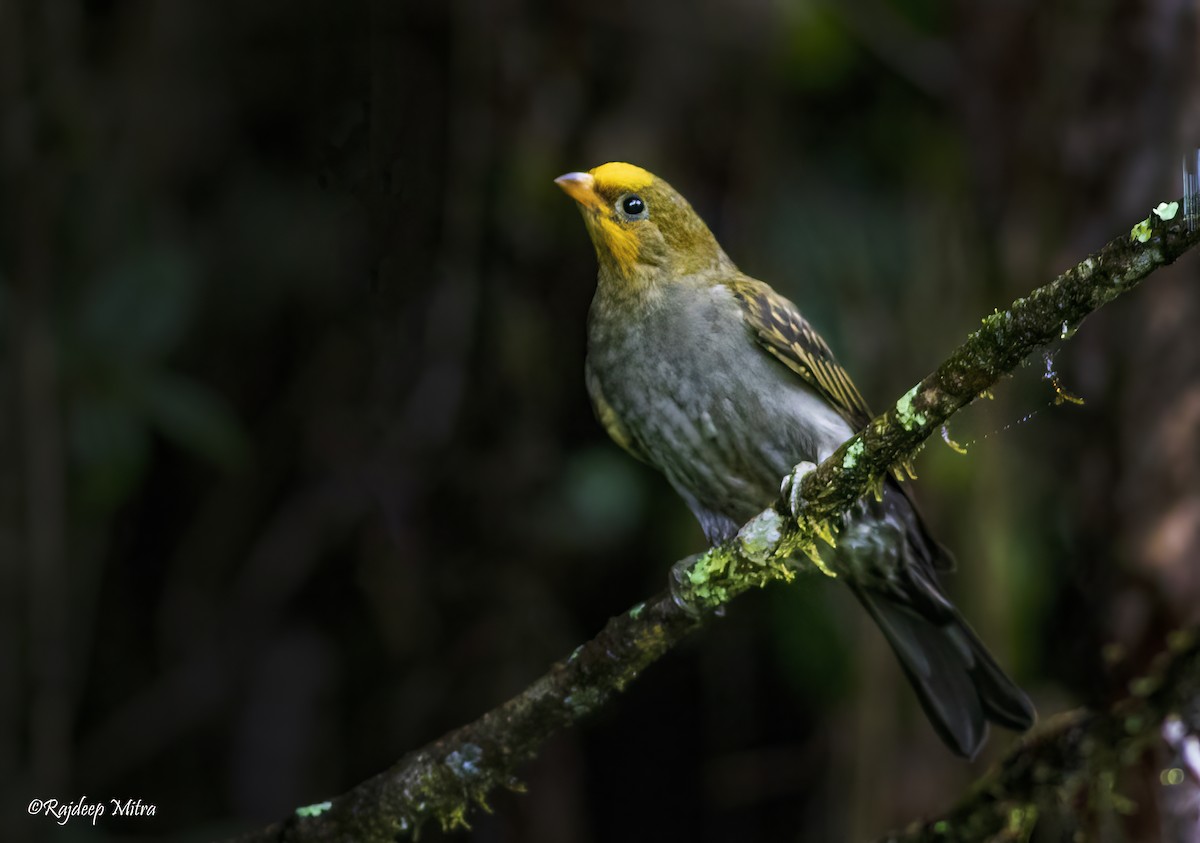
[[633, 206]]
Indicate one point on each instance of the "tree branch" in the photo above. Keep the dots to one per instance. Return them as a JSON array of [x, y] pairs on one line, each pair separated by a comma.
[[444, 779], [1074, 759]]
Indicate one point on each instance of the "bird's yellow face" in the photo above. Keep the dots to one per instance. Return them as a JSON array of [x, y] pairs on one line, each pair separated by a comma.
[[613, 209], [639, 223]]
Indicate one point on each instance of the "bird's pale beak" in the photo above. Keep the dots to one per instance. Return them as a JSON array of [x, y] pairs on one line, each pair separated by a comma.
[[581, 187]]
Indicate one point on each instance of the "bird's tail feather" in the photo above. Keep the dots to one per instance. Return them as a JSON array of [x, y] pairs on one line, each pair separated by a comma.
[[957, 681]]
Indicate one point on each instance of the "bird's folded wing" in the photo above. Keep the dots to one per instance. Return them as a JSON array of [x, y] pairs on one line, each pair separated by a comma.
[[783, 333]]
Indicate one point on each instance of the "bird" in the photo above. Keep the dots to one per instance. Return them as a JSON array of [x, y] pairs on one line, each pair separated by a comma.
[[716, 380]]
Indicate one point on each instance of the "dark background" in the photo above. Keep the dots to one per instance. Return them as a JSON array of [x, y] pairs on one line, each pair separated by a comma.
[[297, 470]]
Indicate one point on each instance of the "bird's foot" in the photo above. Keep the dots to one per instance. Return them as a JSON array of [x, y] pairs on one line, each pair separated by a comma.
[[683, 589], [680, 585], [790, 487]]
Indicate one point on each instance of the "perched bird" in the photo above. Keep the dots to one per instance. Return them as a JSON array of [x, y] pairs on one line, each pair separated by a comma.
[[717, 381]]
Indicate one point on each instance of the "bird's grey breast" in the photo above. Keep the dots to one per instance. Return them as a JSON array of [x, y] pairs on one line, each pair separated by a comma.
[[720, 417]]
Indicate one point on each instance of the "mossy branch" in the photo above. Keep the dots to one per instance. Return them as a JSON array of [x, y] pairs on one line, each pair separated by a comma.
[[446, 779], [1067, 772]]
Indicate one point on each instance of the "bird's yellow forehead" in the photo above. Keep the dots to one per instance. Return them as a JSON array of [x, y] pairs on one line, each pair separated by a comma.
[[622, 176]]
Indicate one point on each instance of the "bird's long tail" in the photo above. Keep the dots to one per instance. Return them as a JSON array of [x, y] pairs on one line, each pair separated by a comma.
[[959, 684]]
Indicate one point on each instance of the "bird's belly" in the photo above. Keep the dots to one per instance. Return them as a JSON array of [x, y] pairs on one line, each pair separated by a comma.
[[721, 419]]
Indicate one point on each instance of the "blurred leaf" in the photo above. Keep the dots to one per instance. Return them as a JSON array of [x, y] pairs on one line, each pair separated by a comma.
[[141, 306], [196, 419], [109, 442]]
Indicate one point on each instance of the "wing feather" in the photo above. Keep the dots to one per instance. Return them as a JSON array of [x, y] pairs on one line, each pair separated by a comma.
[[783, 332], [780, 329]]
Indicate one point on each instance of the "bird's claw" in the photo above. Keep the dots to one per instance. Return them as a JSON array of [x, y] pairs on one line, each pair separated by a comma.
[[680, 585], [789, 489]]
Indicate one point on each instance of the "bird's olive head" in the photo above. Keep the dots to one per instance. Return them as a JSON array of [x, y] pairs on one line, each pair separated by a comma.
[[640, 225]]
